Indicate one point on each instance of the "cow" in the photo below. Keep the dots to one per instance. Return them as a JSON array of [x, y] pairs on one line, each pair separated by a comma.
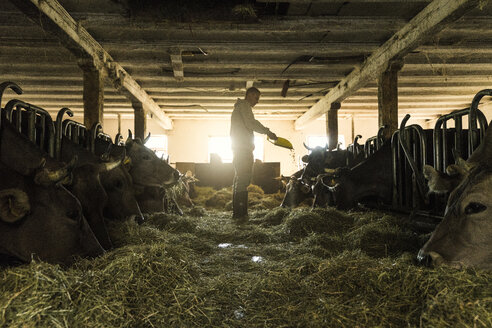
[[117, 182], [317, 162], [42, 221], [104, 189], [160, 199], [370, 178], [146, 168], [464, 237], [296, 190]]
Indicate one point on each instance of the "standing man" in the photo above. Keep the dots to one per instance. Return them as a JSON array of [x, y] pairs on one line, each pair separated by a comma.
[[243, 124]]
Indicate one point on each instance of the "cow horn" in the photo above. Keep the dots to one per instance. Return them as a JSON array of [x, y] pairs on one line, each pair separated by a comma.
[[130, 137], [146, 138], [14, 205], [108, 166], [46, 176], [307, 147]]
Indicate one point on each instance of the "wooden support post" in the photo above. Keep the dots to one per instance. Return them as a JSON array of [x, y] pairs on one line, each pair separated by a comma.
[[140, 120], [119, 123], [332, 125], [352, 126], [93, 96], [388, 98]]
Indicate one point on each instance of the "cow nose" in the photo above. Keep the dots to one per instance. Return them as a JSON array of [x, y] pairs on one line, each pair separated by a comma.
[[424, 259]]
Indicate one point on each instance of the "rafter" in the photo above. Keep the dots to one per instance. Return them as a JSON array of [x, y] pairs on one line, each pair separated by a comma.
[[52, 16], [428, 22]]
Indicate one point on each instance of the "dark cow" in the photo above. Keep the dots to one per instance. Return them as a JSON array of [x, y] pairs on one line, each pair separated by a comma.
[[370, 178], [464, 236], [42, 221], [117, 182], [167, 199], [318, 162], [296, 190], [97, 196], [38, 215], [321, 158], [146, 168]]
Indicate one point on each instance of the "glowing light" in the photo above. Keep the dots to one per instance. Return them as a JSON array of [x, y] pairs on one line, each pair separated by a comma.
[[321, 141], [222, 147], [158, 143]]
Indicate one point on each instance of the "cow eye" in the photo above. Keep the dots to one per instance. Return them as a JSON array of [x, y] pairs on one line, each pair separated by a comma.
[[146, 157], [474, 208], [74, 215]]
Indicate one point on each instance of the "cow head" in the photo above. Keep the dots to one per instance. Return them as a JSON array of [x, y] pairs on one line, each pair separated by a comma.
[[464, 236], [87, 187], [122, 202], [296, 191], [42, 221], [321, 158], [146, 168]]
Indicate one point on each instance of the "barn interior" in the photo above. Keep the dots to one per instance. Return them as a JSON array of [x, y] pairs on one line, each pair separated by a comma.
[[328, 70], [186, 63]]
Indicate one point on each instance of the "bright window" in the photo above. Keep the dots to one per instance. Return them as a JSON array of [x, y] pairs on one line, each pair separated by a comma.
[[158, 143], [322, 141], [222, 147]]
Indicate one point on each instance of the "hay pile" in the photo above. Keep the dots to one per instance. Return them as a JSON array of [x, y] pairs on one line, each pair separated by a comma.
[[283, 268], [222, 199]]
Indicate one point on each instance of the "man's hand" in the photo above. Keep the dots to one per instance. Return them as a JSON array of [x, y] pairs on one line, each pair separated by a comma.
[[272, 136]]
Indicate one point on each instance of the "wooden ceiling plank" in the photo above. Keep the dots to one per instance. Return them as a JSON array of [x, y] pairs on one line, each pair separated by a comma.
[[51, 15], [426, 23]]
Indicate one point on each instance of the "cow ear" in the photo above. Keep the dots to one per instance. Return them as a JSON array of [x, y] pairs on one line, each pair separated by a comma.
[[439, 182], [14, 205], [305, 158]]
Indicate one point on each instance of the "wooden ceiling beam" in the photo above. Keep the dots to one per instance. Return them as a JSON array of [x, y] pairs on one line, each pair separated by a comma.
[[428, 22], [53, 17], [342, 1]]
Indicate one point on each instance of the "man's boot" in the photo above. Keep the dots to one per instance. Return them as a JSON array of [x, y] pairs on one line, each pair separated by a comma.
[[240, 205]]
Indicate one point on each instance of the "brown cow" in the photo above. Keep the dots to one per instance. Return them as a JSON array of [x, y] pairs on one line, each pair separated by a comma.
[[464, 236]]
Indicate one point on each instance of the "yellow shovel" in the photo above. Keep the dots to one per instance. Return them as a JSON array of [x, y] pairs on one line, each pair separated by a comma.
[[281, 142]]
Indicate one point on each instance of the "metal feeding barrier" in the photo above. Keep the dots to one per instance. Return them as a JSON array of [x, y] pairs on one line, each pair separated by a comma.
[[372, 144], [461, 141], [411, 148], [97, 133], [4, 86], [78, 132], [355, 148], [34, 122]]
